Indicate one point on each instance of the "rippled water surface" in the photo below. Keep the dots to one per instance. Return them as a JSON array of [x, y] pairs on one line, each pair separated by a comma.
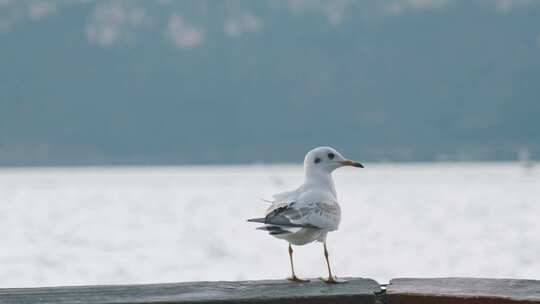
[[67, 226]]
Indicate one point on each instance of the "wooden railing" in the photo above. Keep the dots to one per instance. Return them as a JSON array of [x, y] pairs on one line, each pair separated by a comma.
[[356, 290]]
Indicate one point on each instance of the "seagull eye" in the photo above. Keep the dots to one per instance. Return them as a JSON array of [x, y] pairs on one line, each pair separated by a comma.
[[331, 155], [317, 160]]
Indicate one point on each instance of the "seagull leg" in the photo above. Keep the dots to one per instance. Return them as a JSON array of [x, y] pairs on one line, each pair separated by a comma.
[[331, 279], [293, 276]]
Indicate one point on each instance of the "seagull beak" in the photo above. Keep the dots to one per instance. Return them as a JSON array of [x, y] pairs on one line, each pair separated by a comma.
[[352, 163]]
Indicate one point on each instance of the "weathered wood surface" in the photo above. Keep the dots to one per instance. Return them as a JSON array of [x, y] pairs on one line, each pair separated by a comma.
[[357, 291], [463, 290]]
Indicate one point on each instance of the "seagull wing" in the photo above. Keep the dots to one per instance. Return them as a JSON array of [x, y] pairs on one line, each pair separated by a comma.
[[285, 215], [313, 209], [319, 209]]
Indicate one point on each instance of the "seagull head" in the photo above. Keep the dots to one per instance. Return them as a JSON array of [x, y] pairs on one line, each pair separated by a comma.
[[327, 159]]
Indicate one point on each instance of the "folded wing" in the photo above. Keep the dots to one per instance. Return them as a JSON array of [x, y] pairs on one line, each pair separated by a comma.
[[283, 217]]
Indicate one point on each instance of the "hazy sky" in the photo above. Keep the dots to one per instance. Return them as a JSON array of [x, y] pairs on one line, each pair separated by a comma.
[[229, 81], [111, 22]]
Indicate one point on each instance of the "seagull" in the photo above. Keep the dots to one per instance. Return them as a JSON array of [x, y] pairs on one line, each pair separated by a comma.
[[308, 213]]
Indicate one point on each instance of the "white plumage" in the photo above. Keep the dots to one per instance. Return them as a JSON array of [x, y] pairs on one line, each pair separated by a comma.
[[308, 213], [317, 212]]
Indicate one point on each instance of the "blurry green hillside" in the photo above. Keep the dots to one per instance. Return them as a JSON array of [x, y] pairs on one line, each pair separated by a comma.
[[157, 82]]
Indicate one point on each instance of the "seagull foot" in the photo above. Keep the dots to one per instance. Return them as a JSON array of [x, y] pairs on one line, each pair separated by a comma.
[[297, 279], [333, 280]]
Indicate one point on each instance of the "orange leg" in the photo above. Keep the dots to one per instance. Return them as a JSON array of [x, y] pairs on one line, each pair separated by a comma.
[[293, 276], [331, 279]]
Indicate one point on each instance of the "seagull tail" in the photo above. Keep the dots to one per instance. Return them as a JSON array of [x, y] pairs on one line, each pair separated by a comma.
[[258, 220], [276, 230], [273, 229]]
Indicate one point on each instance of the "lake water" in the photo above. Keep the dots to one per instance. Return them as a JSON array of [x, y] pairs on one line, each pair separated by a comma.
[[71, 226]]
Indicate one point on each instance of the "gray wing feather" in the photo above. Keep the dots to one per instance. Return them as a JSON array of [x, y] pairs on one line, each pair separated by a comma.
[[312, 209], [288, 215]]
